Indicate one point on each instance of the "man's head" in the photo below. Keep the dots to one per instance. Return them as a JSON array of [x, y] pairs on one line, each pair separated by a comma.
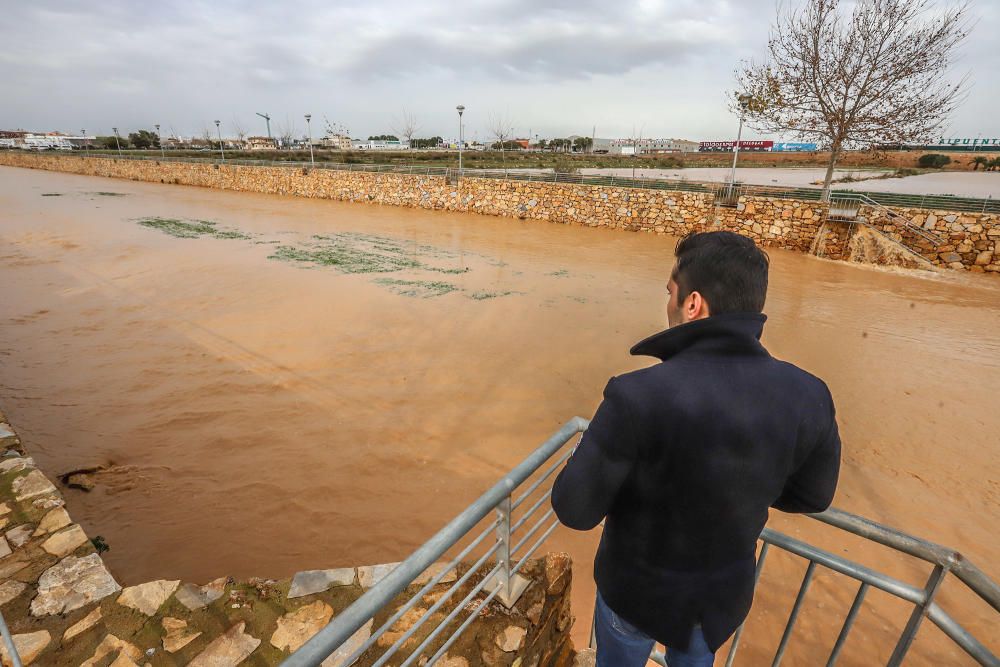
[[716, 273]]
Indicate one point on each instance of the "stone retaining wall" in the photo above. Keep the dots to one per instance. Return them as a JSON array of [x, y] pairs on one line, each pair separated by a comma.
[[64, 607], [966, 240]]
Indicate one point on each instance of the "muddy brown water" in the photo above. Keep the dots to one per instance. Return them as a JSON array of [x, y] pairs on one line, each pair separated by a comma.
[[265, 416]]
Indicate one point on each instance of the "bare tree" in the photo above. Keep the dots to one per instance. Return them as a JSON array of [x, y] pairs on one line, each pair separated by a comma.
[[876, 76], [502, 129], [239, 131], [286, 132], [406, 126]]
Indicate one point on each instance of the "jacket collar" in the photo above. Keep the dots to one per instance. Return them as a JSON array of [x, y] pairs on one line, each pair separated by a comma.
[[719, 335]]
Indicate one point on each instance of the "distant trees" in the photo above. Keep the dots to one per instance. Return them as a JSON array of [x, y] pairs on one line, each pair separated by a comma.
[[384, 137], [432, 142], [505, 146], [143, 139], [980, 161], [583, 144], [933, 161], [108, 142], [876, 76]]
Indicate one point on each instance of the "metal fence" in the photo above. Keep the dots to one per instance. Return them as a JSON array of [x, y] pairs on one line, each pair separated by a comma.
[[525, 490], [531, 482], [922, 201]]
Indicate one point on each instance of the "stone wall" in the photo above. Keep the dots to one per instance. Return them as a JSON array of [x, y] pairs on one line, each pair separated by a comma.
[[64, 607], [965, 241]]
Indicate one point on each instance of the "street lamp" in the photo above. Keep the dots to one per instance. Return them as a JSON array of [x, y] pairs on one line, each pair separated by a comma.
[[461, 109], [744, 101], [159, 140], [312, 160], [117, 142], [86, 146], [221, 148]]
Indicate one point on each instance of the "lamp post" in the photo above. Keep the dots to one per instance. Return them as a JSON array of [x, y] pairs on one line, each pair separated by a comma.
[[461, 109], [86, 145], [744, 100], [312, 160], [159, 140], [221, 148], [117, 142]]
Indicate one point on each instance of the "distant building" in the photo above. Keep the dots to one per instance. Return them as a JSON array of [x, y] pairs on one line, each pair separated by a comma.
[[379, 145], [260, 144], [338, 142], [651, 146]]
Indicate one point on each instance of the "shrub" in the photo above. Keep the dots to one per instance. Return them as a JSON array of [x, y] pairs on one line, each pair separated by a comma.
[[933, 160]]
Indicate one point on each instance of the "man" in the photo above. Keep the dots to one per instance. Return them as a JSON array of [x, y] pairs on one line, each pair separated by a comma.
[[684, 458]]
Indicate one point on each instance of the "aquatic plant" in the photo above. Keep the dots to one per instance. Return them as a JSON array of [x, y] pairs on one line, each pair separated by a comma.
[[417, 288]]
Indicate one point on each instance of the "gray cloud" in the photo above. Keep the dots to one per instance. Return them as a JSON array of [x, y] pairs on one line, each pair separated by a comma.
[[554, 67]]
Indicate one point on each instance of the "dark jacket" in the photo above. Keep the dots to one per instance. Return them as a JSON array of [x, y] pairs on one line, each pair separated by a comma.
[[683, 460]]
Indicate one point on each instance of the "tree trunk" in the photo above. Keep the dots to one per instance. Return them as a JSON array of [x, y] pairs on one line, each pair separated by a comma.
[[834, 155]]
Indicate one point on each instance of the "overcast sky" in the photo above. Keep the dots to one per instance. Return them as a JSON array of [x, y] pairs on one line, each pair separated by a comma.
[[552, 67]]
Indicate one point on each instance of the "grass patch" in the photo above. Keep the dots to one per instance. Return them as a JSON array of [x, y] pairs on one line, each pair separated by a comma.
[[482, 295], [351, 252], [191, 229], [417, 288]]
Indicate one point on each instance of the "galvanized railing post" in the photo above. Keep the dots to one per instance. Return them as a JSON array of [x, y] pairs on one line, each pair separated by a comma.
[[910, 631], [503, 537], [510, 586], [8, 641]]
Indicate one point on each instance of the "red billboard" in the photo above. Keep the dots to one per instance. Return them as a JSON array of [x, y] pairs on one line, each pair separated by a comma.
[[754, 145]]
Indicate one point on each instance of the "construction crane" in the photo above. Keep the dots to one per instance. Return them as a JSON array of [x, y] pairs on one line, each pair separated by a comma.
[[268, 119]]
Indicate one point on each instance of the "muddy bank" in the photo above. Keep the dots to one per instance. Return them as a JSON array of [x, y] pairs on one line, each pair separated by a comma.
[[269, 415]]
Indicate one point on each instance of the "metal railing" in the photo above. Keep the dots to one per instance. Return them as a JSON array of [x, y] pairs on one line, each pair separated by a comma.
[[855, 200], [930, 202], [944, 560], [500, 581], [8, 642]]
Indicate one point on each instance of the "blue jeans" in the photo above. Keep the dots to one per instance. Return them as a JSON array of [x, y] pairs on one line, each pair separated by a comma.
[[621, 644]]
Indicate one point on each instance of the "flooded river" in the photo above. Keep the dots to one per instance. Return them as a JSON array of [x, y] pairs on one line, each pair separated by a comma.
[[300, 384]]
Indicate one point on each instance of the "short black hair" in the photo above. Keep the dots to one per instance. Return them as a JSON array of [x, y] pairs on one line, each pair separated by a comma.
[[727, 269]]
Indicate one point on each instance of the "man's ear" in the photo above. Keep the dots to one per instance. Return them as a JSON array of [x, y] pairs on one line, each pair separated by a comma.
[[695, 307]]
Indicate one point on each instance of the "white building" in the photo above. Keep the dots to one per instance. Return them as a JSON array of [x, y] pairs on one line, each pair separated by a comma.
[[379, 145], [652, 146]]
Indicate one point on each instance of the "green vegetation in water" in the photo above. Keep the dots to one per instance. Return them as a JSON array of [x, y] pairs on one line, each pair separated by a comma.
[[482, 295], [351, 252], [191, 229], [561, 273], [109, 194], [52, 194], [417, 288]]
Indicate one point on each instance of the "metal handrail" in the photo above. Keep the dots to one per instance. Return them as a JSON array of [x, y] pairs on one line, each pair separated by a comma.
[[804, 193], [896, 218], [8, 642], [497, 499]]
